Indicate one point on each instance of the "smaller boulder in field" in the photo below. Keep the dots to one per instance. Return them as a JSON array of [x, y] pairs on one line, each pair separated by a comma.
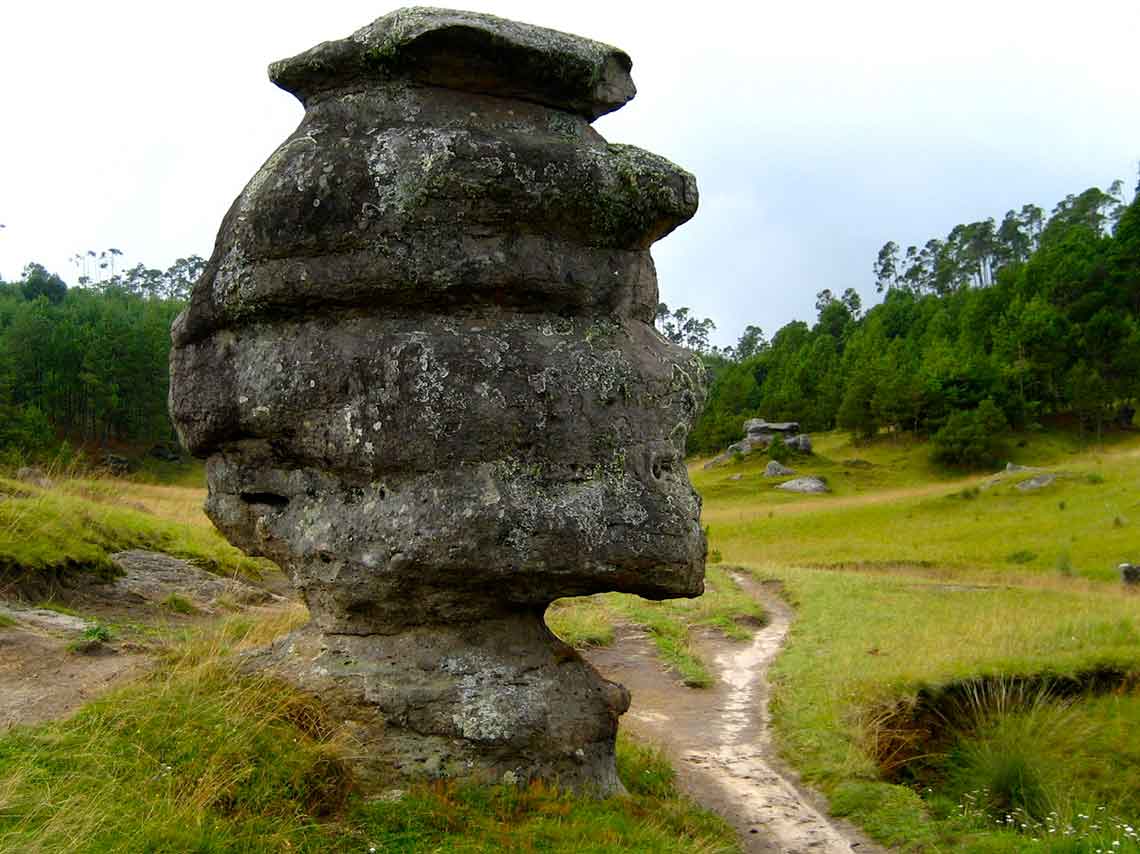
[[118, 466], [810, 485], [1038, 482], [34, 475], [800, 443], [777, 469]]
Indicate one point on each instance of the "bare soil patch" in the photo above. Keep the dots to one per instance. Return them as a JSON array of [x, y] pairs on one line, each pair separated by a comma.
[[41, 679], [49, 664]]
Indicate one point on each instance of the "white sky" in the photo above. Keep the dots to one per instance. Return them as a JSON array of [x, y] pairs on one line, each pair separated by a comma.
[[817, 131]]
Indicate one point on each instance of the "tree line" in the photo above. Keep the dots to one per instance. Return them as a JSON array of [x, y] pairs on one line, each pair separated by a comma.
[[994, 324], [88, 364]]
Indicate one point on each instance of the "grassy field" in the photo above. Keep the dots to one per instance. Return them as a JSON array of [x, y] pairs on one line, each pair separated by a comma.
[[589, 621], [77, 524], [901, 511], [198, 758], [962, 674]]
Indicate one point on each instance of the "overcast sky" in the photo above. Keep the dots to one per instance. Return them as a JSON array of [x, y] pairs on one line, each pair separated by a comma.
[[817, 131]]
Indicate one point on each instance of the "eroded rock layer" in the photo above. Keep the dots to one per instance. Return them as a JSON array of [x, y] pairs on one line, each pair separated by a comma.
[[422, 368]]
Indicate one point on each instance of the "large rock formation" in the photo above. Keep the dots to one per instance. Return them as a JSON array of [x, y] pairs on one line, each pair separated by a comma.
[[759, 435], [422, 367]]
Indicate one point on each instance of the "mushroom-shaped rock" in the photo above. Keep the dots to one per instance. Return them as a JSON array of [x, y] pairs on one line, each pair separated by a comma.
[[422, 369]]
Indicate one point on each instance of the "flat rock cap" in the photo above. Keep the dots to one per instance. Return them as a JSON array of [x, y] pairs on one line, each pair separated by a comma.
[[467, 51]]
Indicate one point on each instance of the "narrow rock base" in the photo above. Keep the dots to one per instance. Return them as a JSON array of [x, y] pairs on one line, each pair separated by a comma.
[[498, 700]]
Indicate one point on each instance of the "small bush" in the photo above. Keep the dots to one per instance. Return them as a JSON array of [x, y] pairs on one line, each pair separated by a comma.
[[1021, 556], [715, 556], [176, 603], [97, 632], [778, 450], [91, 640], [971, 437], [1095, 478], [1064, 562]]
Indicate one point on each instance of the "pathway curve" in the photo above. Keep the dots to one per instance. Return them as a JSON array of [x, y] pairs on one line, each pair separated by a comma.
[[719, 738]]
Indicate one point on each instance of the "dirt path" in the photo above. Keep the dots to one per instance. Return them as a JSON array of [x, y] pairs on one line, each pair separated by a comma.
[[719, 738]]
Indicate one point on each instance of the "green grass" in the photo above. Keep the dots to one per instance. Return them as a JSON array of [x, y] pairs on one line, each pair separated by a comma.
[[188, 473], [863, 643], [1078, 525], [76, 526], [200, 758], [6, 621], [913, 582], [724, 606], [58, 607], [1058, 768], [176, 603], [582, 621]]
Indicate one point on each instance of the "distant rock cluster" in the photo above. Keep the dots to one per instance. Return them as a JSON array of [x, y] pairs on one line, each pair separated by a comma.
[[759, 435], [778, 469]]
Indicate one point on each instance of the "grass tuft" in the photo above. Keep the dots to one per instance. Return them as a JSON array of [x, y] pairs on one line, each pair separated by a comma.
[[1021, 556], [176, 603]]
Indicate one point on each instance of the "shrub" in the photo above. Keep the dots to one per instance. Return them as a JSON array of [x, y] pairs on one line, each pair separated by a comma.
[[971, 437], [177, 604], [1064, 562], [97, 632], [779, 451]]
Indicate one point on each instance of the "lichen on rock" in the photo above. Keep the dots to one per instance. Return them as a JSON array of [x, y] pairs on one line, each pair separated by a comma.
[[422, 369]]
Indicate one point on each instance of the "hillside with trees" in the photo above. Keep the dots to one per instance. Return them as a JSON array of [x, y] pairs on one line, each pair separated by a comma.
[[88, 364], [995, 324]]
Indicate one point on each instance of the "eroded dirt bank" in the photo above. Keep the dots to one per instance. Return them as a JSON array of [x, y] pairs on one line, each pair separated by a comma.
[[719, 738]]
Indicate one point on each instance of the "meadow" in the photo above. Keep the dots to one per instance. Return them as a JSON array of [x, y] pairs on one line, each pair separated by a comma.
[[962, 674], [963, 671], [196, 756]]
